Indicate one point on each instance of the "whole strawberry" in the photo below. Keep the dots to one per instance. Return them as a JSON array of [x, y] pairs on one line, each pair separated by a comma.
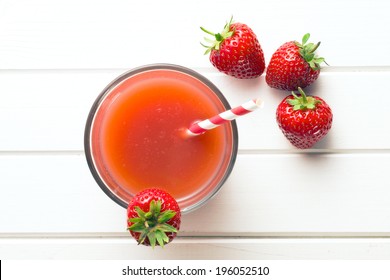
[[294, 65], [153, 217], [304, 120], [236, 51]]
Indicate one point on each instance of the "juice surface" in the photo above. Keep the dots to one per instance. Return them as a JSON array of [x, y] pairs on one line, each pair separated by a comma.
[[142, 143]]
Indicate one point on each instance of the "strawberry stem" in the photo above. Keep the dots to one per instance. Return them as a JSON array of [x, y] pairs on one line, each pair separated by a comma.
[[302, 102], [208, 32], [315, 47], [307, 51], [214, 44], [304, 99], [153, 224]]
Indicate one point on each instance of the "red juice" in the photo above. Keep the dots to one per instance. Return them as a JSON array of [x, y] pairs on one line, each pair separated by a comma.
[[137, 137]]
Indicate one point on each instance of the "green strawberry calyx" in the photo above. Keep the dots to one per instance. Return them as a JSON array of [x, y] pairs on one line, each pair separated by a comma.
[[153, 224], [215, 43], [307, 51], [303, 102]]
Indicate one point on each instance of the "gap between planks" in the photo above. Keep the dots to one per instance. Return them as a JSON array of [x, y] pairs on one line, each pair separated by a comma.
[[240, 152]]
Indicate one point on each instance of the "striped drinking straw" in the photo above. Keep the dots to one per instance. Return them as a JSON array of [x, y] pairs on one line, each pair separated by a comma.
[[201, 127]]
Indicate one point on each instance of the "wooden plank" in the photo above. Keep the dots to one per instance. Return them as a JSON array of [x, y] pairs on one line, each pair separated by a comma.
[[196, 249], [47, 110], [266, 195], [327, 198], [45, 34]]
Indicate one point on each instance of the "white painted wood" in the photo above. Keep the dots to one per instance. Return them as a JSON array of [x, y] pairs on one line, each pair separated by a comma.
[[50, 108], [196, 249], [266, 195], [120, 33], [56, 57]]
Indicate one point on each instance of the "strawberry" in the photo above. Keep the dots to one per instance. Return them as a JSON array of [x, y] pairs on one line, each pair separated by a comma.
[[304, 120], [294, 65], [236, 51], [153, 217]]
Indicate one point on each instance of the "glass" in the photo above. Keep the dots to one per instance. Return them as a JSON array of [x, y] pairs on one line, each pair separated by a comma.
[[135, 136]]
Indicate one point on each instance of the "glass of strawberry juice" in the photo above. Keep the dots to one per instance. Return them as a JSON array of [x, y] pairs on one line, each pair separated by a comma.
[[135, 136]]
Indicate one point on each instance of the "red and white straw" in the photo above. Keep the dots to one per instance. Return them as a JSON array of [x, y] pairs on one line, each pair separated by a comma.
[[229, 115]]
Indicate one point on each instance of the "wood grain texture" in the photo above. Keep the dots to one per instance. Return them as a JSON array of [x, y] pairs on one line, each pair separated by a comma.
[[266, 195], [49, 108], [329, 202], [196, 249], [119, 33]]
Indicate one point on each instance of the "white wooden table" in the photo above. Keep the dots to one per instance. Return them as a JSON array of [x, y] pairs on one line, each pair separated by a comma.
[[329, 202]]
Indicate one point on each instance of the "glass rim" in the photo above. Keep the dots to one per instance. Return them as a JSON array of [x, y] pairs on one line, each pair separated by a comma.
[[150, 67]]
